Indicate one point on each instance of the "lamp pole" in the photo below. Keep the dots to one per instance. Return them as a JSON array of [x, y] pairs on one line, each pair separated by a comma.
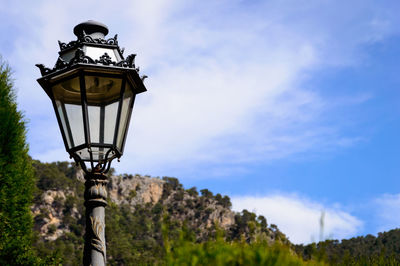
[[93, 88], [95, 201]]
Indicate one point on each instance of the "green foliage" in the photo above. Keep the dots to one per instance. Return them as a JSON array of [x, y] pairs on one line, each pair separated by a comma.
[[192, 191], [16, 179], [206, 193], [134, 237], [226, 202], [219, 252], [52, 228], [67, 249], [363, 250], [132, 194], [173, 182], [55, 176], [166, 234]]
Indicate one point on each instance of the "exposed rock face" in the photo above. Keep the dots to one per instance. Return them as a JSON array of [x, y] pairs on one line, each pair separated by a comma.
[[144, 216], [49, 213], [202, 213], [199, 212], [133, 190]]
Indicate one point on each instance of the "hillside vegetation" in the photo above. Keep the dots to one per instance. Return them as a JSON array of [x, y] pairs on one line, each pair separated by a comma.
[[363, 250], [143, 214], [156, 221]]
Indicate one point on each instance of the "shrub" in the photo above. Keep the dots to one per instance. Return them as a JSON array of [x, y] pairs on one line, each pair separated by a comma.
[[16, 179], [219, 252]]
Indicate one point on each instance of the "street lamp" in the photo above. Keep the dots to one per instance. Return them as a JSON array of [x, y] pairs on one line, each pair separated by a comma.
[[93, 88]]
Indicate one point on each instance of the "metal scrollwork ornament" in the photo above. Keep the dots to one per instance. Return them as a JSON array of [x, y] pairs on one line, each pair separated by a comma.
[[105, 59], [80, 57], [84, 38], [97, 230]]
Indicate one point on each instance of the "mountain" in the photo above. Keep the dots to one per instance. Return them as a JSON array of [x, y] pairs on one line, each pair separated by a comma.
[[142, 213], [146, 214]]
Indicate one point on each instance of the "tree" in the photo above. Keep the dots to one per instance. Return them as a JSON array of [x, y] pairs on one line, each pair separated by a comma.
[[16, 180], [206, 193]]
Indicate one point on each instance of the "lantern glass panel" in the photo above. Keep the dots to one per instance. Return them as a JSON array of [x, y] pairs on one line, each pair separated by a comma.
[[67, 97], [67, 56], [110, 121], [98, 153], [94, 122], [102, 95], [125, 111], [84, 154], [97, 52], [62, 113]]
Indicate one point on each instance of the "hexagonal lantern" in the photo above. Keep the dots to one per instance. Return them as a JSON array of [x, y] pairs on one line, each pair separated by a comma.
[[93, 88]]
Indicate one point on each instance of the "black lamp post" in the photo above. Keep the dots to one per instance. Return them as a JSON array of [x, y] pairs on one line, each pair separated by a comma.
[[93, 88]]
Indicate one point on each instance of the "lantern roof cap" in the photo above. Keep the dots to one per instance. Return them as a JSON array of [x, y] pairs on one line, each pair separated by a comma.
[[93, 28], [91, 33]]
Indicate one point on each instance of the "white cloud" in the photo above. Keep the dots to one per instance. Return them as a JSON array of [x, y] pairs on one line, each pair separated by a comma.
[[227, 80], [386, 212], [299, 218]]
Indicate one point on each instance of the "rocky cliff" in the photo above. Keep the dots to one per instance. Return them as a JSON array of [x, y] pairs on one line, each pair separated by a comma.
[[139, 208]]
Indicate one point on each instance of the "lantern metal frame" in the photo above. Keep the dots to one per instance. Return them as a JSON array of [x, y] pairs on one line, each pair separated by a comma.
[[81, 65]]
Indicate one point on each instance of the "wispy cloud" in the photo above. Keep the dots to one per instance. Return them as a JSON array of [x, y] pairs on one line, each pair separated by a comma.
[[386, 212], [228, 80], [299, 218]]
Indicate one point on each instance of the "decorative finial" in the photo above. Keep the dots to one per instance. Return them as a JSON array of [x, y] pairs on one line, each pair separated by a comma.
[[94, 29]]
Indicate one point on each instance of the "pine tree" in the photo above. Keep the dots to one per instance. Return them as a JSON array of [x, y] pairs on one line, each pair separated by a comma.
[[16, 180]]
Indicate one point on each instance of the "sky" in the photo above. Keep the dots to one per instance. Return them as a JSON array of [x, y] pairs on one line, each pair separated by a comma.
[[291, 108]]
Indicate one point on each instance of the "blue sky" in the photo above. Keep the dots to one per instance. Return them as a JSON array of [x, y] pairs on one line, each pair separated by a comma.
[[292, 108]]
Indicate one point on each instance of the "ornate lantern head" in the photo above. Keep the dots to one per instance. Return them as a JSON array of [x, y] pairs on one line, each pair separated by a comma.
[[93, 88]]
